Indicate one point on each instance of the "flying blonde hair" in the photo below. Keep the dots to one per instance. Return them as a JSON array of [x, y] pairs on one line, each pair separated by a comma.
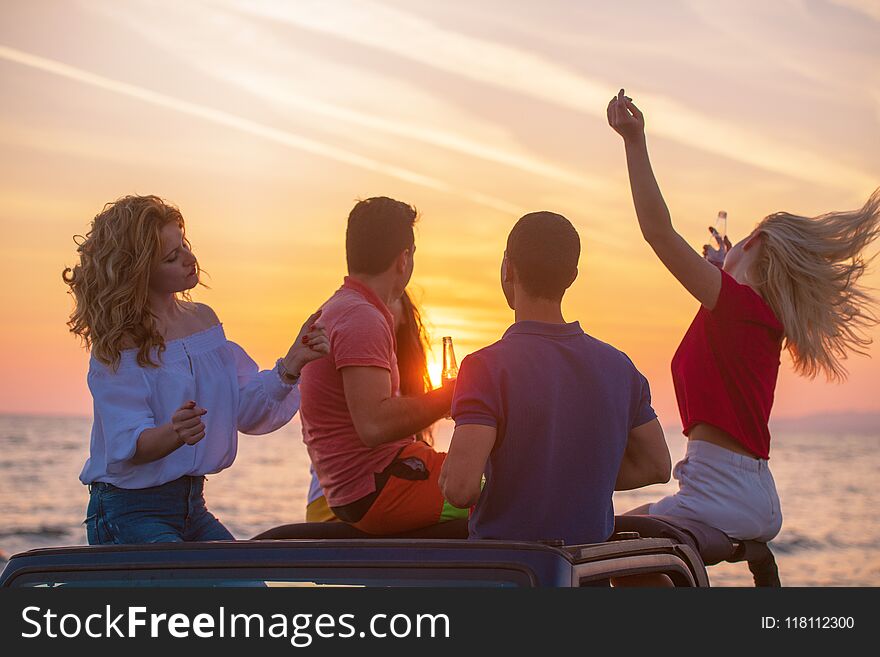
[[110, 284], [808, 271]]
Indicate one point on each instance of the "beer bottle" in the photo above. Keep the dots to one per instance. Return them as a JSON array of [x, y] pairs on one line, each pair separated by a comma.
[[721, 224], [450, 367]]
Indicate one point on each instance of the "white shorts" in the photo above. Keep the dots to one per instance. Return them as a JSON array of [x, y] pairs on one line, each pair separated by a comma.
[[729, 491]]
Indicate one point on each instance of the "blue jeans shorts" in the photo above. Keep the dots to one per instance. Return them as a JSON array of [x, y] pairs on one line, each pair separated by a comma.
[[171, 513]]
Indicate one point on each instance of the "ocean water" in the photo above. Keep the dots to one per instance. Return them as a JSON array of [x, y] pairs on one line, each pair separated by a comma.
[[827, 483]]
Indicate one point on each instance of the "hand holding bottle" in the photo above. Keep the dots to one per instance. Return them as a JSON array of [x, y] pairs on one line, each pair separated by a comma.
[[450, 369], [713, 255]]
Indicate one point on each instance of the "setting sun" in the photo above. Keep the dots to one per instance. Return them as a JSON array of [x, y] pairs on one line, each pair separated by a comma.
[[435, 369]]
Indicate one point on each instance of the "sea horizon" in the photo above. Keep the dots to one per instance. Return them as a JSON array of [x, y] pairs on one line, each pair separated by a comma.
[[826, 482], [854, 421]]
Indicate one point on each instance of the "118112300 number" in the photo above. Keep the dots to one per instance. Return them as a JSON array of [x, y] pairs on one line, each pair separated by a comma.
[[819, 622]]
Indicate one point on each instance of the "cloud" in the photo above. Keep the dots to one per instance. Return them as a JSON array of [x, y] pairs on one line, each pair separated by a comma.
[[226, 119], [243, 56], [754, 32], [408, 36], [869, 8]]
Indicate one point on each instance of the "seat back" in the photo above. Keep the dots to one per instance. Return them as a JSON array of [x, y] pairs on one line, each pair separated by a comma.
[[320, 530]]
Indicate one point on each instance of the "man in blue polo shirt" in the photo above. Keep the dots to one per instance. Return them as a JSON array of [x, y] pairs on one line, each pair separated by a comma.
[[556, 419]]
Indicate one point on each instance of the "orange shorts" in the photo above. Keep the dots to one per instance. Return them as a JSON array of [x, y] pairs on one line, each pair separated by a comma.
[[403, 504]]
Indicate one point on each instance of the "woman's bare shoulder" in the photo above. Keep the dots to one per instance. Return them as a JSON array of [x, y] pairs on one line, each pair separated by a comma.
[[204, 314], [199, 316]]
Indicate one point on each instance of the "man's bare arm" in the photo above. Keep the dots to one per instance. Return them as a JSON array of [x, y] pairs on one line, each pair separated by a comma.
[[462, 474], [378, 416], [646, 460]]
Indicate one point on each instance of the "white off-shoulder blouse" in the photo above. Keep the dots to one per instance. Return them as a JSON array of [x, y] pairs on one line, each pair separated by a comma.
[[204, 367]]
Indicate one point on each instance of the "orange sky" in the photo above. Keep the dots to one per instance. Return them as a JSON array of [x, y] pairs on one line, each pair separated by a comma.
[[265, 121]]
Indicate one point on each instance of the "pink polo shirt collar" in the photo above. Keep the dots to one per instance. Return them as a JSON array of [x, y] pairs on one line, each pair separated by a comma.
[[350, 283]]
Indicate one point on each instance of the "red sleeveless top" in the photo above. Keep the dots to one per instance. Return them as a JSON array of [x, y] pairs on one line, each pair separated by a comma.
[[726, 366]]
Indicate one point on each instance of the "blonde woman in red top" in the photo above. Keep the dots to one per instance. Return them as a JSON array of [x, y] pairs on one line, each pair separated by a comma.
[[792, 284]]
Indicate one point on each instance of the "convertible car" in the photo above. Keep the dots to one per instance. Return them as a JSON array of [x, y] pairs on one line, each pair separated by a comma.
[[643, 549]]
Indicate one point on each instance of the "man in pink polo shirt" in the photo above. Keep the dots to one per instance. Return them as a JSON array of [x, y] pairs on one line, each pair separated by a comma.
[[359, 431]]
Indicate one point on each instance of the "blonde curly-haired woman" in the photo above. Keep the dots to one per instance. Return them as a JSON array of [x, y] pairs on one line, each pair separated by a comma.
[[793, 283], [170, 391]]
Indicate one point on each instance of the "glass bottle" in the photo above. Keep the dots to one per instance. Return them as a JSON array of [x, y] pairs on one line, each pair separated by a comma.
[[450, 366], [721, 224]]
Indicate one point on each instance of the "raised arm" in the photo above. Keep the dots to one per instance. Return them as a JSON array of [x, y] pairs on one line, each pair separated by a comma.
[[696, 274], [378, 416]]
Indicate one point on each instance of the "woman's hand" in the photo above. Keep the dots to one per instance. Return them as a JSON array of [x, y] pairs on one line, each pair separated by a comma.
[[187, 423], [185, 428], [713, 255], [626, 119], [311, 344]]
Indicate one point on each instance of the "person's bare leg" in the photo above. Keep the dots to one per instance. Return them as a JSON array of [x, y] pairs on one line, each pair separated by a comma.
[[639, 510]]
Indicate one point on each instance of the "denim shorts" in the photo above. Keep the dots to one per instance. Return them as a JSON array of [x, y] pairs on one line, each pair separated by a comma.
[[170, 513], [729, 491]]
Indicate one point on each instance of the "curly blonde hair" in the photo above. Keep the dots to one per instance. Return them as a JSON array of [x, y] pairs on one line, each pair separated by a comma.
[[110, 285], [808, 271]]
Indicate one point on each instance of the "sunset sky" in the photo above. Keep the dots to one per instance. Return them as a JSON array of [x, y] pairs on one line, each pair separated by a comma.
[[265, 121]]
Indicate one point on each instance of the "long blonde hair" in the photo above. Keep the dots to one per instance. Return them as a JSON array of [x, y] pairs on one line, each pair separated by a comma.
[[110, 285], [808, 271]]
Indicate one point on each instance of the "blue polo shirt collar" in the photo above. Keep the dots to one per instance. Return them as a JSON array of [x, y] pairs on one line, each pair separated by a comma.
[[549, 329]]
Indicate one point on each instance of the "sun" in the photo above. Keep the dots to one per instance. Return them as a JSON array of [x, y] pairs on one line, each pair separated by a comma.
[[435, 370]]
